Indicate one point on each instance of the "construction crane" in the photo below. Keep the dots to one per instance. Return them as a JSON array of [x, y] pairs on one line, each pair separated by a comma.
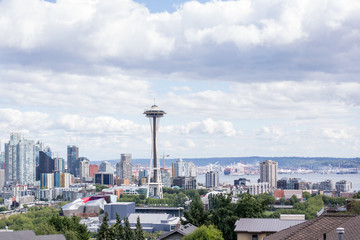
[[163, 168]]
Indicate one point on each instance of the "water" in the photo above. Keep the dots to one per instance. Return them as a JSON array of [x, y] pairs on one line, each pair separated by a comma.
[[309, 177]]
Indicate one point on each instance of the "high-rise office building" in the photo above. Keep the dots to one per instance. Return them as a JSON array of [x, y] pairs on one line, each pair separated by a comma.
[[165, 178], [46, 165], [59, 164], [38, 148], [269, 173], [2, 159], [124, 167], [2, 177], [105, 166], [104, 178], [181, 168], [211, 179], [84, 167], [72, 156], [20, 160], [93, 169]]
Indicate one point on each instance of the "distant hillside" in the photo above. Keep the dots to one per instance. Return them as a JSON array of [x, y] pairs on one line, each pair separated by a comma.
[[284, 162]]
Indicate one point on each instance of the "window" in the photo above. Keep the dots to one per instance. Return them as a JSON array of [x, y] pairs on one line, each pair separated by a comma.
[[254, 237]]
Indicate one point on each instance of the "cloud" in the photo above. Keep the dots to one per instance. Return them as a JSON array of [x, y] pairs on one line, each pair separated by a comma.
[[205, 127], [246, 41]]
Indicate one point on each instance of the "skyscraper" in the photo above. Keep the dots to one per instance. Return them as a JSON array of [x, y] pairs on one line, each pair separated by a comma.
[[211, 179], [269, 172], [154, 184], [182, 168], [84, 168], [20, 160], [72, 156], [46, 165], [105, 166], [124, 167], [59, 164]]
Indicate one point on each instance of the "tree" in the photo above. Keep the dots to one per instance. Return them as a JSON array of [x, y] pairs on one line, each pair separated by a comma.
[[294, 199], [205, 233], [44, 229], [223, 215], [196, 214], [306, 195], [104, 230], [249, 207], [128, 233], [117, 229], [139, 234]]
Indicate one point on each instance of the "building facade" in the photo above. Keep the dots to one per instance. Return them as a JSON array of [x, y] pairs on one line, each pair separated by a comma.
[[104, 178], [182, 168], [105, 166], [212, 179], [59, 164], [93, 169], [72, 156], [185, 182], [46, 164], [124, 167], [84, 167], [20, 160], [269, 173]]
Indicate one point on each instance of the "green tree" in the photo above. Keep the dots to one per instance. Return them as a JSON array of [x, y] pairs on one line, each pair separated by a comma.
[[205, 233], [118, 229], [250, 207], [128, 233], [104, 230], [293, 199], [223, 215], [3, 209], [44, 229], [306, 195], [139, 234], [196, 214], [357, 195]]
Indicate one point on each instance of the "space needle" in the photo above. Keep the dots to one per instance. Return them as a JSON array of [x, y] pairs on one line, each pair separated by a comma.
[[154, 177]]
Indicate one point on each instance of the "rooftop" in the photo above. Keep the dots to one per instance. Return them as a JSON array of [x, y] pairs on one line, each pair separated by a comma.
[[257, 225], [316, 228]]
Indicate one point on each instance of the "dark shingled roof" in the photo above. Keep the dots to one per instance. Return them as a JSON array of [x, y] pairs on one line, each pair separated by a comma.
[[28, 235], [316, 228], [183, 230]]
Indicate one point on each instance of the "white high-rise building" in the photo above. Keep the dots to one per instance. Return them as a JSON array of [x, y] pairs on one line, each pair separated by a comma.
[[84, 167], [20, 160], [181, 168], [269, 173], [211, 179]]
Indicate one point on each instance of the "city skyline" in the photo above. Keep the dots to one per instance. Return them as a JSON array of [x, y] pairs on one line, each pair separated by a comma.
[[261, 78]]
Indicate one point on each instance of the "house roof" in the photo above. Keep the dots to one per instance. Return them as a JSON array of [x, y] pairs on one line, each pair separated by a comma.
[[264, 224], [316, 228], [183, 230], [28, 235]]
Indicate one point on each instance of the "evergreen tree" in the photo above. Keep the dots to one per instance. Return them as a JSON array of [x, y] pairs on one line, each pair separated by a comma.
[[139, 234], [128, 233], [196, 214], [104, 232], [118, 229]]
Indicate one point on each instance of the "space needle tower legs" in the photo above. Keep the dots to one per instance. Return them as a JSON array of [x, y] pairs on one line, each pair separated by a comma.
[[154, 176]]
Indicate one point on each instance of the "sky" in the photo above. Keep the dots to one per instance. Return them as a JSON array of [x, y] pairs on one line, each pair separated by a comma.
[[236, 78]]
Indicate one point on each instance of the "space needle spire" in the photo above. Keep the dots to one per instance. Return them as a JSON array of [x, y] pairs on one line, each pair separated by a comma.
[[154, 176]]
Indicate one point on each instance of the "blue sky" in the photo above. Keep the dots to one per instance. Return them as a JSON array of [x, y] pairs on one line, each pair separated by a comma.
[[237, 78]]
